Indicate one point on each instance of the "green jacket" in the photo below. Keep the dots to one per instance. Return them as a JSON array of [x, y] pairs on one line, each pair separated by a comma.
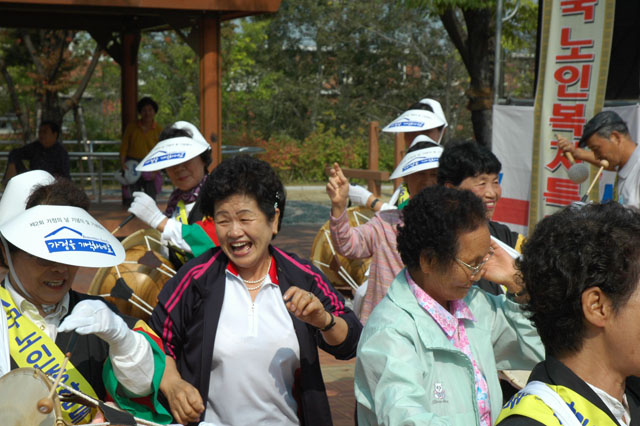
[[408, 373]]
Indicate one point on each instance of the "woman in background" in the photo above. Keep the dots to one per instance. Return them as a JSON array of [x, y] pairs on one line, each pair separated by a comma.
[[138, 139], [185, 155]]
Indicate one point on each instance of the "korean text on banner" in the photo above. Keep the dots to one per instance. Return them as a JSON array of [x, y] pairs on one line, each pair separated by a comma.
[[574, 62]]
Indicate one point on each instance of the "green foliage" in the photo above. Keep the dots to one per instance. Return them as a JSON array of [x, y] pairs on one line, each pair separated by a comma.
[[519, 33], [305, 82], [169, 72], [338, 65], [306, 161]]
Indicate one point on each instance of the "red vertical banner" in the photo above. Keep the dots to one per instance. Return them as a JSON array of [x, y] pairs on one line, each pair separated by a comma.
[[574, 62]]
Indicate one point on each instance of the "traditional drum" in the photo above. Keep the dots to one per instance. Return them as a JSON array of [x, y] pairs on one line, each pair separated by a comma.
[[344, 274], [517, 378], [145, 270], [20, 391]]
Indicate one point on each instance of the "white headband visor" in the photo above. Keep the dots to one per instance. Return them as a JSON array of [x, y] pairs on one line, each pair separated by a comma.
[[417, 161], [63, 234]]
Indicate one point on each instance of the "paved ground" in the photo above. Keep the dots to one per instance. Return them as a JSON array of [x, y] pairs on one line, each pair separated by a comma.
[[306, 210]]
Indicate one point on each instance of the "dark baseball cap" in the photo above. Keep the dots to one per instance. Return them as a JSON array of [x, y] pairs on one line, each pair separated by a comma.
[[600, 120]]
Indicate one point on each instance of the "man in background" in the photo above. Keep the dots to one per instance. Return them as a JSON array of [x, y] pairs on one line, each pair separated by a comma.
[[46, 153]]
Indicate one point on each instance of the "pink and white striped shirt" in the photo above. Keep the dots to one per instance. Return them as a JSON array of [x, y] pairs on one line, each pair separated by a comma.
[[376, 239]]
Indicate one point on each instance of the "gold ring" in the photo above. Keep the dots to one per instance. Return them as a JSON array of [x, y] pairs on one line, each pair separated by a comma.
[[310, 295]]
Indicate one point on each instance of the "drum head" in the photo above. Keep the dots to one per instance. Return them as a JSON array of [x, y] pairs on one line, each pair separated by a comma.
[[20, 391], [146, 281], [517, 378], [342, 272]]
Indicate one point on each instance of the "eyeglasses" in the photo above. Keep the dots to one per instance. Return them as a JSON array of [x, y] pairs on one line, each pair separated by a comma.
[[476, 269]]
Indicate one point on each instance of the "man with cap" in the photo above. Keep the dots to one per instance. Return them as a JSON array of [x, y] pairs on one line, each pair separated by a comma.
[[46, 234], [377, 238], [607, 137], [185, 155], [425, 119]]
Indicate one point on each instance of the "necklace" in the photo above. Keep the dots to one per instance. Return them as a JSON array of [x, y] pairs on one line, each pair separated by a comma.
[[261, 280], [259, 286]]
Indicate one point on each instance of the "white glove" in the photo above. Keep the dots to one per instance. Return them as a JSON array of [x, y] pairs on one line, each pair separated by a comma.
[[94, 317], [146, 209], [359, 195]]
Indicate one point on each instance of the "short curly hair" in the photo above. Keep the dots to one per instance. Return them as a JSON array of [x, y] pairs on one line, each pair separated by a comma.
[[464, 159], [61, 192], [244, 175], [433, 221], [570, 251]]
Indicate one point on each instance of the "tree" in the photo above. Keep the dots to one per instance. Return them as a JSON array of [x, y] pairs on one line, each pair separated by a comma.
[[54, 62], [470, 25], [169, 72], [337, 65]]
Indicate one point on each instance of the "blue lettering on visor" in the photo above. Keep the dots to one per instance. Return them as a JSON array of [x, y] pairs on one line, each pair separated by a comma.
[[80, 243], [407, 123], [419, 161], [164, 157]]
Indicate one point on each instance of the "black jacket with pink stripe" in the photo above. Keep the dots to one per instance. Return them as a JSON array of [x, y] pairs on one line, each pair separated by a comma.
[[188, 310]]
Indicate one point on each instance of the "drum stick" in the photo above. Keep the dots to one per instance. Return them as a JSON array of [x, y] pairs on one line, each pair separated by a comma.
[[569, 156], [123, 223], [45, 405], [96, 403], [603, 164]]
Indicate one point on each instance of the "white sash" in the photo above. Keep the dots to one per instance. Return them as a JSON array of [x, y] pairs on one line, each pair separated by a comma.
[[553, 401]]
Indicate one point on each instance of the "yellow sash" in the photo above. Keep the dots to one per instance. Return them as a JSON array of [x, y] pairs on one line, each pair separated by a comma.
[[31, 347], [404, 197], [528, 405], [182, 213]]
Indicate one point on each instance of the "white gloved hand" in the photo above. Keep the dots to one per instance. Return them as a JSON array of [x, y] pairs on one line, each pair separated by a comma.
[[146, 209], [359, 195], [95, 317]]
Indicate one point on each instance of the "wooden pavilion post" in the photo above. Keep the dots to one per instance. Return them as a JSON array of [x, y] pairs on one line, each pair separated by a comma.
[[374, 185], [129, 76], [210, 85], [399, 148]]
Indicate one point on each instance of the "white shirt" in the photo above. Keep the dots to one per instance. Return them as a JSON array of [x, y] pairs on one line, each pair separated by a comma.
[[620, 410], [629, 181], [255, 357], [134, 370]]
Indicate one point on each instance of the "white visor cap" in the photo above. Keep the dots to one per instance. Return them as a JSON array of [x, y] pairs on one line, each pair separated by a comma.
[[418, 120], [174, 151], [19, 188], [422, 138], [417, 161], [63, 234]]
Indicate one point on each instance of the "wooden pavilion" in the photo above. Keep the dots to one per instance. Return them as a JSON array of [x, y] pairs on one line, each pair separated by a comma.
[[116, 26]]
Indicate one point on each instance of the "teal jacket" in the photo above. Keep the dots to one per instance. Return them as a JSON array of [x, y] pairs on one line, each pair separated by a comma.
[[408, 373]]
